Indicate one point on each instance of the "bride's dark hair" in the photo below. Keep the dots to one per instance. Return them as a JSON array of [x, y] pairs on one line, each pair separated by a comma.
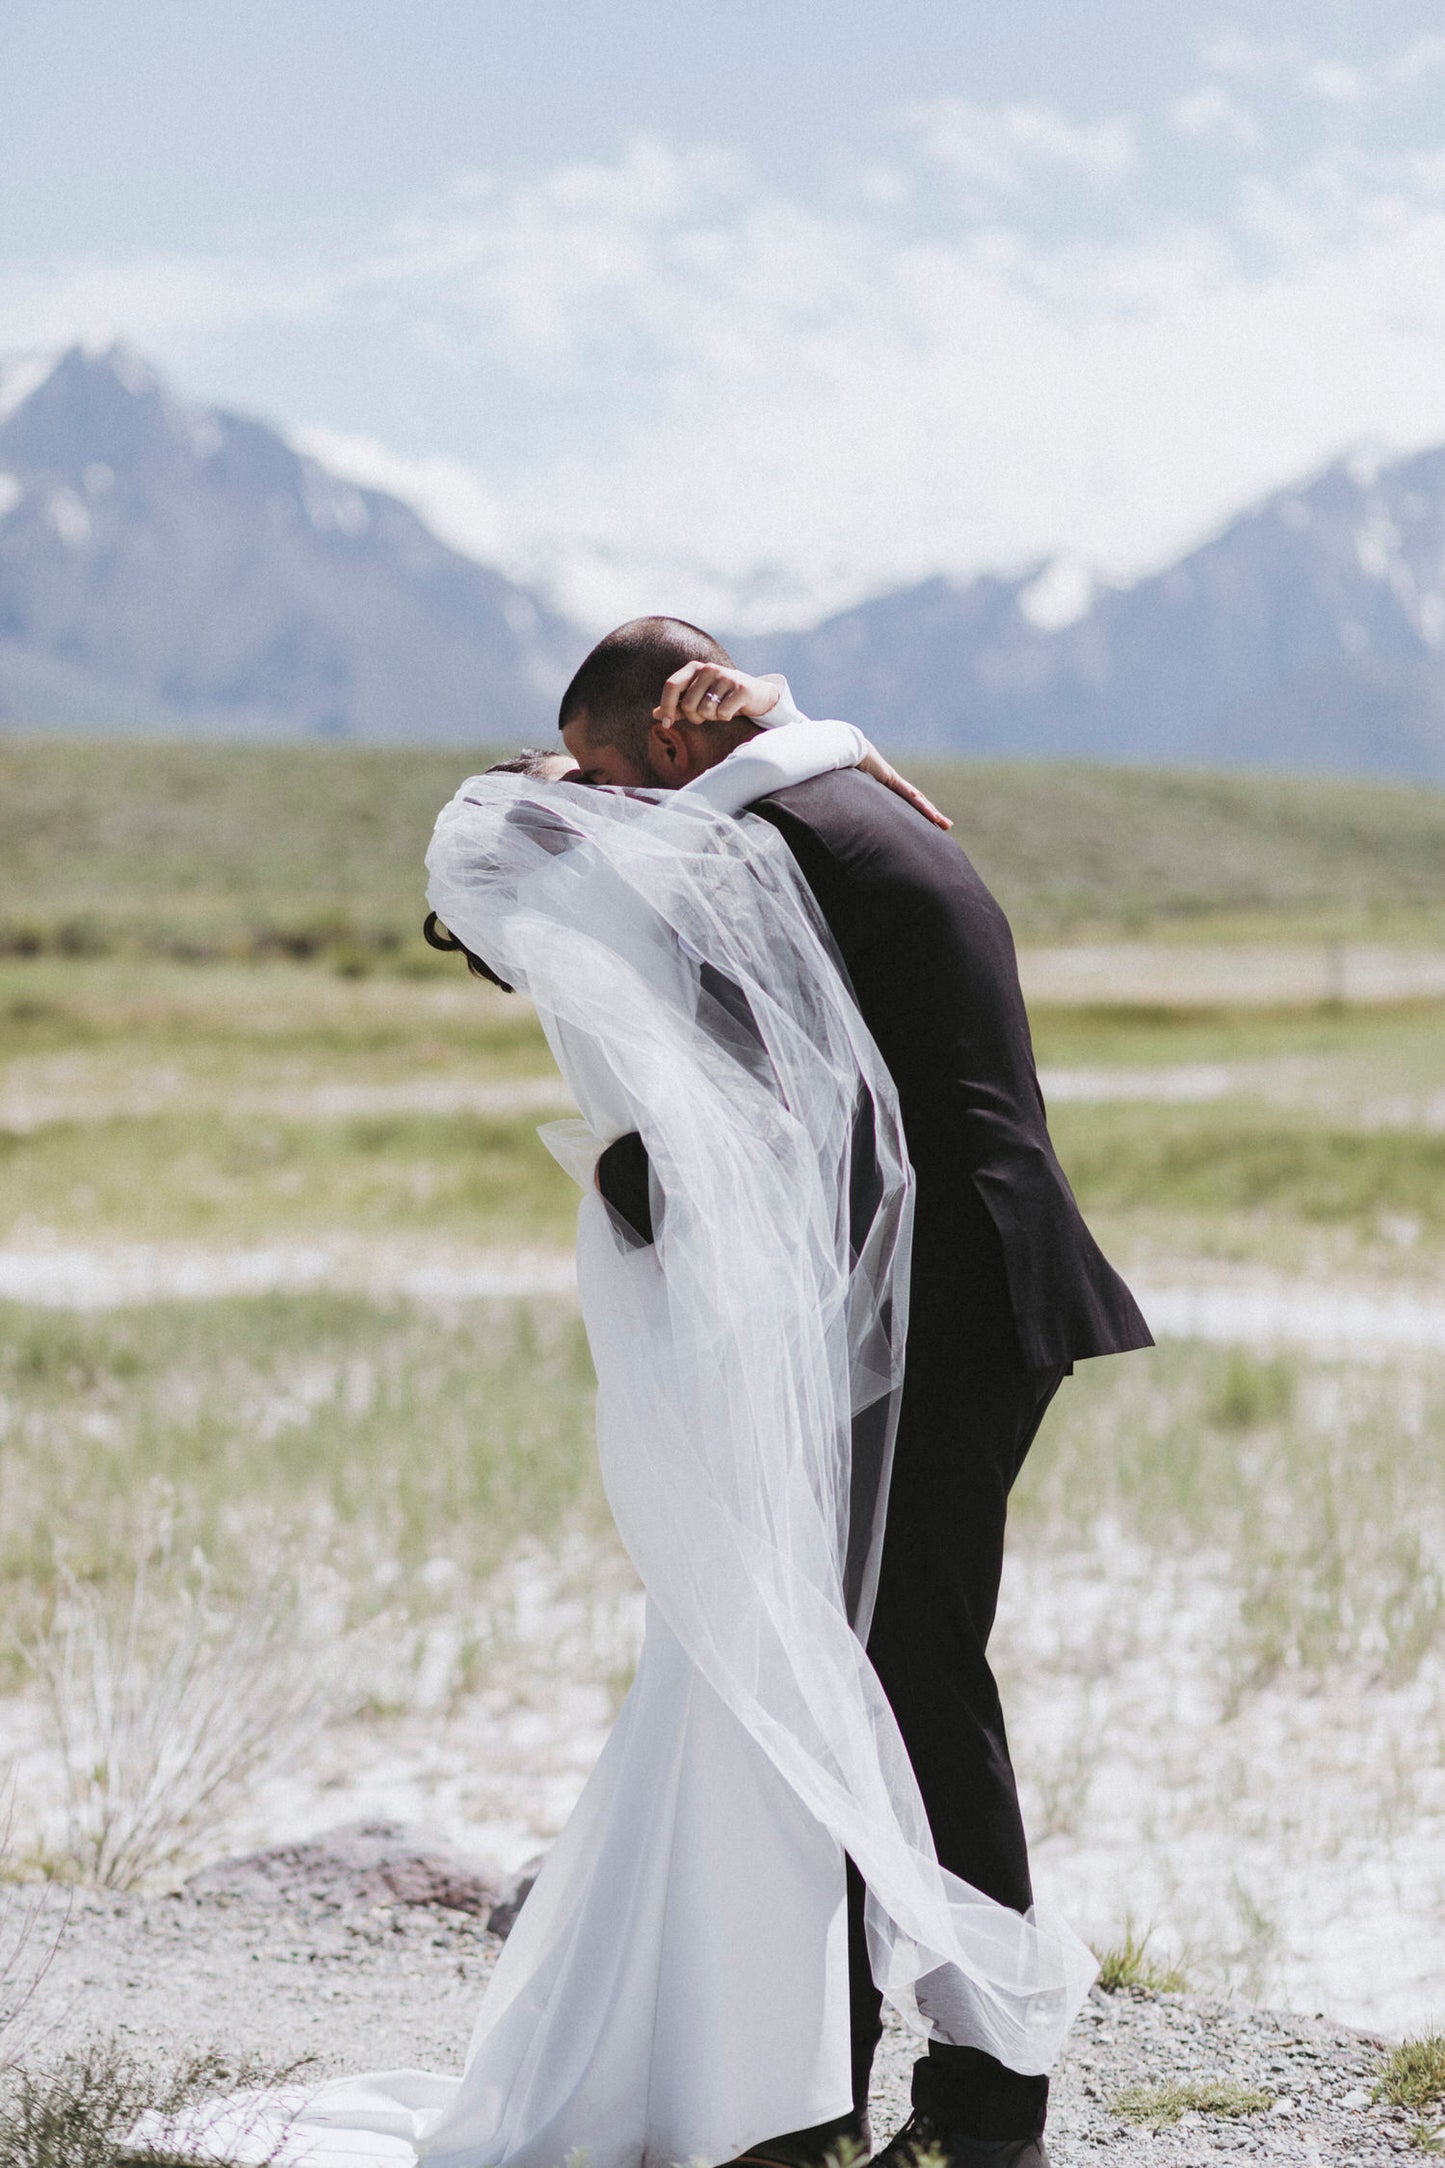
[[438, 936], [531, 761]]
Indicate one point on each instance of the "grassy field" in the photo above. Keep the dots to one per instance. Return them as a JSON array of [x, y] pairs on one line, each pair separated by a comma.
[[381, 1436], [228, 1104], [219, 1031], [246, 850], [368, 1437]]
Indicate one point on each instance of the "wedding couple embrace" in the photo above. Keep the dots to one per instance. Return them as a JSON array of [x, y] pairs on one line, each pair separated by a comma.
[[832, 1275]]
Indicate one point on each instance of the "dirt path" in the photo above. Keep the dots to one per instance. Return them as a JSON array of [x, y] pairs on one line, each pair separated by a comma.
[[1220, 1303], [398, 1986], [1261, 972]]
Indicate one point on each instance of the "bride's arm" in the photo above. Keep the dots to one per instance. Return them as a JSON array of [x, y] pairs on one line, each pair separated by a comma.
[[790, 748], [775, 758]]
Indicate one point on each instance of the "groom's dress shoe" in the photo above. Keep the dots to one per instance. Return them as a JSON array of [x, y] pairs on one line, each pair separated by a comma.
[[845, 2142], [923, 2144]]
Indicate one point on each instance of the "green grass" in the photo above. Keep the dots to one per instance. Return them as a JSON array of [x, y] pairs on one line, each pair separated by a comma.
[[233, 1063], [1074, 848], [380, 1436], [273, 1022], [253, 850], [1414, 2074], [1293, 1188], [1328, 1498], [1157, 2107], [1235, 1157], [1322, 1488], [1408, 1037], [372, 1436], [214, 851], [1127, 1964], [238, 1179]]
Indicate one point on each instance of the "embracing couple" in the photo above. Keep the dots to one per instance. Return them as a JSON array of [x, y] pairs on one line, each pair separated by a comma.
[[832, 1275]]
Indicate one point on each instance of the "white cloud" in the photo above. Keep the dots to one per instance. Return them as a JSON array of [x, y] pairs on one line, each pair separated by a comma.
[[1335, 83], [50, 306], [997, 342], [912, 405], [1261, 61], [1009, 147], [450, 495], [1212, 114], [1253, 60], [1415, 63], [1060, 596]]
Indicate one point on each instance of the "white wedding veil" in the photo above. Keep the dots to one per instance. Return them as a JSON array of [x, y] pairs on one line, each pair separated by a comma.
[[750, 1362]]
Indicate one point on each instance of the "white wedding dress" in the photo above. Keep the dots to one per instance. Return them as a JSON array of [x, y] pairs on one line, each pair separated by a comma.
[[676, 1986]]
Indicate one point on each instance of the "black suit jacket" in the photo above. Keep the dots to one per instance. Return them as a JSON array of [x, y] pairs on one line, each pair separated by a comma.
[[933, 968]]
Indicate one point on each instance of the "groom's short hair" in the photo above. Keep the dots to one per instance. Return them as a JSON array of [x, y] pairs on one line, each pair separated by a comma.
[[620, 682]]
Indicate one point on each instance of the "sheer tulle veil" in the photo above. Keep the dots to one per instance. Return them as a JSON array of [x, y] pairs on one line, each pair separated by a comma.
[[675, 1988], [749, 1366]]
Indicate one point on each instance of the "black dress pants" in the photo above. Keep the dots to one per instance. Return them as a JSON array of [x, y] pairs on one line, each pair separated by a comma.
[[969, 1415]]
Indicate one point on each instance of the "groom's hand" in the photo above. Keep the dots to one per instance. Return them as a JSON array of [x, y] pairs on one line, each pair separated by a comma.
[[622, 1177], [712, 692]]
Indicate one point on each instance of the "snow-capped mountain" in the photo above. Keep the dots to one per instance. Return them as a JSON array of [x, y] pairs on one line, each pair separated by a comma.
[[1310, 633], [164, 566]]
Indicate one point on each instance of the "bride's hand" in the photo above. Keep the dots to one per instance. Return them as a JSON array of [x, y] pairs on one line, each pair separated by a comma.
[[874, 764], [714, 692]]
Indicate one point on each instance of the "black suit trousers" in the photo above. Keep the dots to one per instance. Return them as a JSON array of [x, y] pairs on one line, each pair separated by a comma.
[[970, 1412]]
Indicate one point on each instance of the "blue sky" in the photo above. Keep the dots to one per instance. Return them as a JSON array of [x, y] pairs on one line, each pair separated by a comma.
[[749, 310]]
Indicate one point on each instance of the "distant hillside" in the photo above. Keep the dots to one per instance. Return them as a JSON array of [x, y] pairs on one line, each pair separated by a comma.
[[166, 568], [247, 850], [1310, 634]]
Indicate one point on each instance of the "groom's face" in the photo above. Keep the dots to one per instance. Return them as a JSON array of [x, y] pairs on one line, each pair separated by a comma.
[[674, 753], [599, 761]]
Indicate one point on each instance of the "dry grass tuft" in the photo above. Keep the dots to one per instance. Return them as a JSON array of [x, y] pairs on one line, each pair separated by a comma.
[[1128, 1965], [30, 1932], [83, 2111], [163, 1715], [1156, 2107]]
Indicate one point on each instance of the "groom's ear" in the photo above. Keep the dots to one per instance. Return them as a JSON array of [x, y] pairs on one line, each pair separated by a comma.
[[679, 751], [672, 752]]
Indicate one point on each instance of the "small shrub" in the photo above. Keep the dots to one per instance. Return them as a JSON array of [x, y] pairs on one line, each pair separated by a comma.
[[1156, 2106], [81, 2111], [161, 1718], [1127, 1964], [1251, 1393], [30, 1932], [1413, 2074]]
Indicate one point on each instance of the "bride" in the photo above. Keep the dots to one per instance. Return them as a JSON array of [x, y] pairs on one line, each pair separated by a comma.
[[676, 1985]]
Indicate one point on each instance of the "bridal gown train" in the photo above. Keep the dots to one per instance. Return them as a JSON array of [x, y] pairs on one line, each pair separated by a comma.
[[676, 1986]]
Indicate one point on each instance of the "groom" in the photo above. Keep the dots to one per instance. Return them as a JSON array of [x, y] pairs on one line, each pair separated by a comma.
[[1009, 1290]]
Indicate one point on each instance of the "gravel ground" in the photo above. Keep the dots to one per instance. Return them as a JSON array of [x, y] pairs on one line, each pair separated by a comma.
[[375, 1986]]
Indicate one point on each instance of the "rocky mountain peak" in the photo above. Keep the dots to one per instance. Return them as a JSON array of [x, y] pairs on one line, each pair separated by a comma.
[[170, 566]]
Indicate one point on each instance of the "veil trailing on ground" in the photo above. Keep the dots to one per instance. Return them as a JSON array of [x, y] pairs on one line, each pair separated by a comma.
[[749, 1365]]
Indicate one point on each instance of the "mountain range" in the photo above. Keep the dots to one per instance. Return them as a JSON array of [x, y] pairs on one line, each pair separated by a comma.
[[173, 569], [164, 567]]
